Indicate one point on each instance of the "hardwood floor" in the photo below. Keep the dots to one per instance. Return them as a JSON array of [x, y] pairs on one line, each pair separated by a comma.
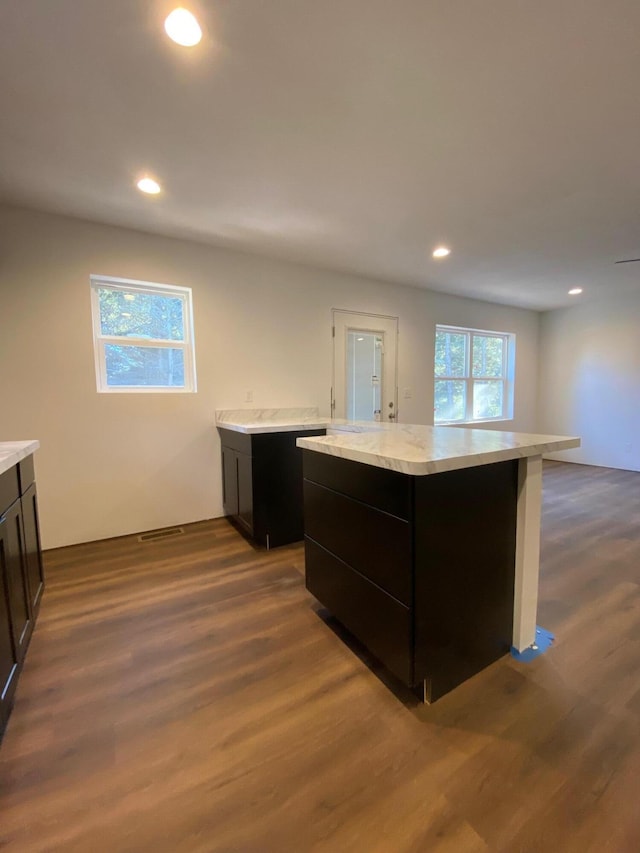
[[189, 695]]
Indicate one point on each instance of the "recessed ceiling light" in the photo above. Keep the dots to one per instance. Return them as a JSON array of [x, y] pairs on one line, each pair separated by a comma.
[[575, 291], [441, 252], [359, 339], [182, 27], [149, 186]]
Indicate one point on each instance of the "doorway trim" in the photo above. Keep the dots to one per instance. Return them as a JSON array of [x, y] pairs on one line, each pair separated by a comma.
[[368, 325]]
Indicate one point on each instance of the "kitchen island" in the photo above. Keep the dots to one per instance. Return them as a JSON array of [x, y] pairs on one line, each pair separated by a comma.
[[424, 542]]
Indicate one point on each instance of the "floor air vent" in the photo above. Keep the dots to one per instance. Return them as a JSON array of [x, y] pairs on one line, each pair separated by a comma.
[[160, 534]]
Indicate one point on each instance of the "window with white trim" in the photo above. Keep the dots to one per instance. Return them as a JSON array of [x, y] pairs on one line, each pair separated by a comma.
[[474, 372], [142, 336]]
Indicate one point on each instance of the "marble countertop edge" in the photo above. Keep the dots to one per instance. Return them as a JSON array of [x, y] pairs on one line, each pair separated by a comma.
[[275, 426], [253, 421], [12, 452], [421, 460]]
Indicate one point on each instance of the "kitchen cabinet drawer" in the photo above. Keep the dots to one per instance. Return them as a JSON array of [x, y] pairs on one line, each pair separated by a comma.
[[374, 543], [380, 622], [388, 491]]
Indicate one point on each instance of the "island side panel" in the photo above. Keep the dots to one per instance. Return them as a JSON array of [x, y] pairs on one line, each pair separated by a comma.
[[465, 545]]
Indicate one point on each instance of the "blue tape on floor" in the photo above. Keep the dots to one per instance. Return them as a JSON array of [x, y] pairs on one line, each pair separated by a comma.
[[540, 645]]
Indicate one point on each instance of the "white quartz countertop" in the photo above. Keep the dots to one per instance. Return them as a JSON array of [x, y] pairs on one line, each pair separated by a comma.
[[420, 450], [11, 452], [408, 448], [252, 421], [270, 420]]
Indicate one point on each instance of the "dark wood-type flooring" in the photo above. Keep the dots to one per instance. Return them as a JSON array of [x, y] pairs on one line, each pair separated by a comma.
[[189, 695]]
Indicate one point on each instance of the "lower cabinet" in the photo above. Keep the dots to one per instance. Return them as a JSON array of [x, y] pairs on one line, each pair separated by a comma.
[[9, 661], [13, 566], [262, 484], [21, 577], [230, 481], [237, 487], [416, 567], [33, 549]]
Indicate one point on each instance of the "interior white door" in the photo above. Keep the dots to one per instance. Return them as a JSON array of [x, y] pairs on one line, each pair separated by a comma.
[[365, 367]]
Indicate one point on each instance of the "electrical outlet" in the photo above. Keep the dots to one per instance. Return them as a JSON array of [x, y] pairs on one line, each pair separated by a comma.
[[407, 393], [248, 397]]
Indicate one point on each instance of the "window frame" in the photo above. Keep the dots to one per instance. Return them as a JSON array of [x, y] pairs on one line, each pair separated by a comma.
[[126, 285], [507, 378]]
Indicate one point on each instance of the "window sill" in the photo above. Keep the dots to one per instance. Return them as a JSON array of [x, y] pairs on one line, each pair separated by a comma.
[[471, 424], [146, 390]]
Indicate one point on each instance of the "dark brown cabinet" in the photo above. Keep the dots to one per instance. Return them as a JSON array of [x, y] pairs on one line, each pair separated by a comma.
[[237, 487], [33, 550], [21, 576], [262, 484], [230, 481], [245, 491], [13, 566], [9, 661], [419, 568]]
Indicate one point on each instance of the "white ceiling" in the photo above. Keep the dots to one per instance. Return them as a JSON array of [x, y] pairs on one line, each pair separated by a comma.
[[350, 134]]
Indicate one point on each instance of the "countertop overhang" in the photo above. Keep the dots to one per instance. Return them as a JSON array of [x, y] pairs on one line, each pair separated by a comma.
[[12, 452], [419, 450]]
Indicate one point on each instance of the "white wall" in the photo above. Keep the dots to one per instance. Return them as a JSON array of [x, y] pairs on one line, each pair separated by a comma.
[[590, 380], [115, 464]]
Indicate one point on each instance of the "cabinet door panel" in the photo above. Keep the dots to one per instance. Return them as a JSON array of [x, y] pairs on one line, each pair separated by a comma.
[[15, 577], [33, 552], [245, 491], [8, 657], [229, 481]]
